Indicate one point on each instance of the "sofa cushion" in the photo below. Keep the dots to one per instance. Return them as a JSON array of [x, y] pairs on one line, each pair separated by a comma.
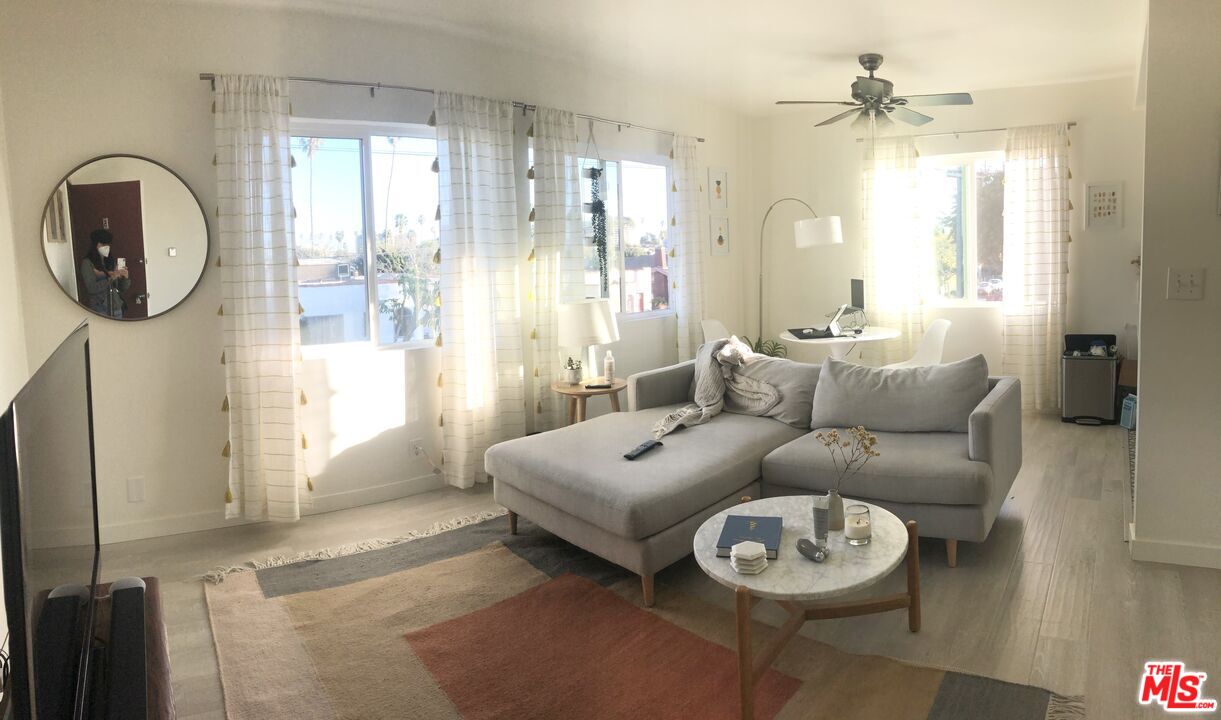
[[580, 469], [933, 398], [795, 381], [931, 468]]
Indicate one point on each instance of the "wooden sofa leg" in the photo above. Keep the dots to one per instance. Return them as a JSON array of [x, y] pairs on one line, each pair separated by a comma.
[[512, 523], [951, 552], [646, 586]]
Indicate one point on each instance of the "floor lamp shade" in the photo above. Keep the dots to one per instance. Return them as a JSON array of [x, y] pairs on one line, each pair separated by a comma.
[[587, 322], [815, 231]]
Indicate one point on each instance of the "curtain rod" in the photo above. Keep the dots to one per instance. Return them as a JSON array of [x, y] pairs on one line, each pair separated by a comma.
[[374, 86], [1071, 124]]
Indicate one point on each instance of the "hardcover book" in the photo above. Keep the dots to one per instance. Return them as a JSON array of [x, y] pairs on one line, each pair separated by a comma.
[[739, 528]]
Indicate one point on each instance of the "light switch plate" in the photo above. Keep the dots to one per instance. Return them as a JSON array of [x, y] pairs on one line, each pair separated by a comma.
[[135, 489], [1185, 284], [173, 252]]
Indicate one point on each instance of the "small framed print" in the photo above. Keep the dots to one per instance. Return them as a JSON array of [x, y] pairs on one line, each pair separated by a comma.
[[718, 189], [718, 234], [1104, 205]]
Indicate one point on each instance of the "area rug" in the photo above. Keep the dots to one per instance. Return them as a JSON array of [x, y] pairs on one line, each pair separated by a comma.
[[476, 623]]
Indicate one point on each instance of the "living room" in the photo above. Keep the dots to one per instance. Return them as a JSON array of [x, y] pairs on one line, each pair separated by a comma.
[[656, 128]]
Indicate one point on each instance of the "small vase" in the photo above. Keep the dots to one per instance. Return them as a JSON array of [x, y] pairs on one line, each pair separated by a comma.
[[836, 510]]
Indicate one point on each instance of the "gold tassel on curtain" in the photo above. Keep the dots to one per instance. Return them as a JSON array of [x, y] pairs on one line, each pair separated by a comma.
[[304, 442], [224, 407], [220, 310], [531, 258], [440, 379], [222, 357], [438, 342], [436, 257], [218, 261], [309, 483], [227, 451], [228, 496], [303, 400], [432, 119], [530, 173], [436, 164]]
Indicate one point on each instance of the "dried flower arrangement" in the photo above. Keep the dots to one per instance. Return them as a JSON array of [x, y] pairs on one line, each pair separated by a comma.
[[849, 454]]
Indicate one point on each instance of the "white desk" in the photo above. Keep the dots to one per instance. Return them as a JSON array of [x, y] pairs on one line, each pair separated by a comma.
[[841, 346]]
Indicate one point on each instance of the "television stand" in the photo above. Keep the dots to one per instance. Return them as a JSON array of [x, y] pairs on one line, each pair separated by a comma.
[[159, 696]]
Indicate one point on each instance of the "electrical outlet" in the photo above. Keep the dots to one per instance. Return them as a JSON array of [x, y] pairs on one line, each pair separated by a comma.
[[1185, 284], [135, 489], [417, 447]]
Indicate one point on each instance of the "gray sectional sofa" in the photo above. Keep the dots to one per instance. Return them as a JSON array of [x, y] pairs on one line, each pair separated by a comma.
[[642, 515]]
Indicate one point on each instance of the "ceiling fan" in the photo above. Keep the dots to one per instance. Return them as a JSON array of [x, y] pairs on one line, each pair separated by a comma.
[[874, 101]]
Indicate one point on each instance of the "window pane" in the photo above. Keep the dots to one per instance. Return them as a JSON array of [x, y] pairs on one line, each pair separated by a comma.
[[990, 228], [942, 205], [330, 239], [608, 193], [408, 235], [646, 274]]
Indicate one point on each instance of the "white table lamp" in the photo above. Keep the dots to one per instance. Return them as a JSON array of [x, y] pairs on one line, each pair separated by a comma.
[[586, 323]]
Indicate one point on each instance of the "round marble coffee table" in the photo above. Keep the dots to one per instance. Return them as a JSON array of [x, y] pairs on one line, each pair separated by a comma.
[[794, 582]]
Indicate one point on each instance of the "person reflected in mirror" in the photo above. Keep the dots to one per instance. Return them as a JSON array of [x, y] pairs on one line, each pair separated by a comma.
[[104, 283]]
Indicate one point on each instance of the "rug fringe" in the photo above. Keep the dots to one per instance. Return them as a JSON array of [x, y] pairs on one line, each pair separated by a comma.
[[218, 574], [1065, 707]]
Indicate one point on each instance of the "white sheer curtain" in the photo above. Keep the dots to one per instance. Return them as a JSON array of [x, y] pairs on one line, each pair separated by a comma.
[[483, 394], [1036, 260], [898, 250], [557, 254], [258, 276], [687, 234]]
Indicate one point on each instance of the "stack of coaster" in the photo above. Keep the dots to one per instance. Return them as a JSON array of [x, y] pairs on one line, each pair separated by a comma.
[[748, 558]]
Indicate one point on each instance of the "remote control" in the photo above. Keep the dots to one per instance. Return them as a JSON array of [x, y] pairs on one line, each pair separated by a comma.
[[601, 386], [642, 448]]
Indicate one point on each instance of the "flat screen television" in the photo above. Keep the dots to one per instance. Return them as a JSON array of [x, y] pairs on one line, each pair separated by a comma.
[[49, 543]]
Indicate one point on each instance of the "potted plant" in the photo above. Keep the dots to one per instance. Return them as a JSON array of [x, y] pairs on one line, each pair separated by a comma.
[[572, 372], [848, 454]]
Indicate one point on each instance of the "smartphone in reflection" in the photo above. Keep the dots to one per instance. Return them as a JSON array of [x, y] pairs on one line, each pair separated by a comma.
[[121, 263]]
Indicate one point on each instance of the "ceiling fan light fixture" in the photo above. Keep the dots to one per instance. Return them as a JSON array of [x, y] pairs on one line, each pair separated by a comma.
[[861, 123]]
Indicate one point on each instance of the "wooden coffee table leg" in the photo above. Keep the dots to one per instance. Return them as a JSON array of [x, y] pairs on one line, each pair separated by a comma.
[[614, 398], [746, 668], [913, 576]]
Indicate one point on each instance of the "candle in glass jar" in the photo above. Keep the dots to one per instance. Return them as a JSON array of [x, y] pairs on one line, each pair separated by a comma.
[[856, 525]]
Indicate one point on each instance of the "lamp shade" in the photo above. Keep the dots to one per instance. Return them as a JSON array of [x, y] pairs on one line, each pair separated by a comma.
[[818, 231], [587, 322]]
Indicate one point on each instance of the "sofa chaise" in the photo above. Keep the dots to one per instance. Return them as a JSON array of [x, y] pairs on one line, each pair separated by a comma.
[[643, 515]]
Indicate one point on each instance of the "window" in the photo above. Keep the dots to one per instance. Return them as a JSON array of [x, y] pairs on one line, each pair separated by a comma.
[[634, 198], [347, 178], [962, 199]]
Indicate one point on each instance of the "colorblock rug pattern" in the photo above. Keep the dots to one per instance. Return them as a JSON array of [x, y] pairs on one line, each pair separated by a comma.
[[476, 623]]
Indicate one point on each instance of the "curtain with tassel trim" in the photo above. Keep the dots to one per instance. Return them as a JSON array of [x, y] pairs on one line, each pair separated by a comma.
[[259, 289], [482, 352], [1036, 260], [687, 234], [556, 259]]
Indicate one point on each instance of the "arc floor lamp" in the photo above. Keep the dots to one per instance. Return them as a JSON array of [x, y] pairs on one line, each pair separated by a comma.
[[807, 233]]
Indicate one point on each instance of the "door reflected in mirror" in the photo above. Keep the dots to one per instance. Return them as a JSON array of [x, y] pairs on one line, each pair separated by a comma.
[[124, 237]]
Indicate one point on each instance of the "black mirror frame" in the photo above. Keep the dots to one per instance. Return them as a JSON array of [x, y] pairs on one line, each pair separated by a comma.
[[203, 215]]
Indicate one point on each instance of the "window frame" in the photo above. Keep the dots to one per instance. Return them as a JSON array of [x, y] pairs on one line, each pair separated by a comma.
[[365, 131], [639, 159], [970, 238]]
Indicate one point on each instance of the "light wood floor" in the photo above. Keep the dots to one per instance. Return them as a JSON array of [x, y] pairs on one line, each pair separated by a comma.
[[1052, 598]]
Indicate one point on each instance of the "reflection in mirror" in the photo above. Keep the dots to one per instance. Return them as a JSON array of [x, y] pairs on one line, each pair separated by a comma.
[[125, 237]]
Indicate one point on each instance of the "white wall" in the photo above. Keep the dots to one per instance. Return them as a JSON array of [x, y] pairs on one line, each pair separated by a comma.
[[171, 220], [13, 368], [1178, 497], [823, 165], [133, 66]]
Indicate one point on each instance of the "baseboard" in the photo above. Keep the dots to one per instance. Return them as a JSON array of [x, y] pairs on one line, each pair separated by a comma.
[[376, 494], [1207, 556], [212, 519]]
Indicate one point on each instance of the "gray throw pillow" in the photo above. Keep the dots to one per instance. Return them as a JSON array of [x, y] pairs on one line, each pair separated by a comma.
[[934, 398], [795, 381]]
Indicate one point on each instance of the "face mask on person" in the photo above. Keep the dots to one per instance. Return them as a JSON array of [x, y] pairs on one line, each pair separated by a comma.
[[104, 250]]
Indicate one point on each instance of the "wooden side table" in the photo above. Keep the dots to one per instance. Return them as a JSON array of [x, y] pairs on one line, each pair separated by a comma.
[[578, 394]]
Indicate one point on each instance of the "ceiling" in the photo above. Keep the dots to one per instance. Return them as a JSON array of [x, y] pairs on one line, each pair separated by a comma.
[[749, 54]]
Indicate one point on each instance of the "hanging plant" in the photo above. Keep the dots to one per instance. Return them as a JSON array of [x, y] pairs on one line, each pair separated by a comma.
[[597, 208]]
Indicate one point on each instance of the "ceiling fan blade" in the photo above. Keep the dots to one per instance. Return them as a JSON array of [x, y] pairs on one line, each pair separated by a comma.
[[837, 118], [911, 117], [814, 102], [938, 99]]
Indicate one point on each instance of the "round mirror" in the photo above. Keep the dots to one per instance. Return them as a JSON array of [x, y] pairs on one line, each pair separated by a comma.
[[124, 237]]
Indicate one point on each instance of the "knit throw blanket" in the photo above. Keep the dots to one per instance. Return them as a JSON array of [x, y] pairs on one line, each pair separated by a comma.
[[716, 364]]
